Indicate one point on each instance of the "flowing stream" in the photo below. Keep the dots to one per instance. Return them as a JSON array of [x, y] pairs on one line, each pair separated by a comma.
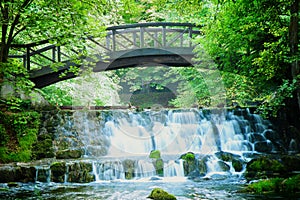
[[117, 145]]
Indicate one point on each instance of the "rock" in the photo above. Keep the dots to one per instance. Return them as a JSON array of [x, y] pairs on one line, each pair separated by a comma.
[[159, 166], [80, 172], [224, 166], [264, 147], [202, 166], [13, 184], [190, 156], [129, 166], [238, 165], [58, 170], [292, 163], [8, 174], [192, 167], [43, 174], [160, 194], [158, 163], [155, 178], [155, 154], [263, 167], [69, 154]]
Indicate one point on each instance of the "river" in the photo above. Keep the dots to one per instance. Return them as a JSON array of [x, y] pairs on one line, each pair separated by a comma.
[[110, 138]]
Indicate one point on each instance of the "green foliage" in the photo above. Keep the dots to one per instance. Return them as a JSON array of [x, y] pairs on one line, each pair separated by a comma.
[[265, 164], [16, 76], [275, 101], [289, 185], [265, 185], [20, 131], [91, 89]]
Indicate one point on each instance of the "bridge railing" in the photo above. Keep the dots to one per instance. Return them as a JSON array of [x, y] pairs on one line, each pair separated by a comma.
[[118, 38]]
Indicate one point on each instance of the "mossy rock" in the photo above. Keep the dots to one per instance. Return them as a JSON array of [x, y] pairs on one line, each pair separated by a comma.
[[189, 164], [224, 166], [69, 154], [43, 149], [292, 163], [288, 186], [225, 156], [13, 184], [159, 166], [202, 167], [190, 156], [58, 170], [238, 165], [263, 167], [80, 172], [160, 194], [155, 154], [129, 166]]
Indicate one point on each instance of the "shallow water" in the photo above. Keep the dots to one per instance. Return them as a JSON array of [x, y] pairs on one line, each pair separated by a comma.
[[182, 188]]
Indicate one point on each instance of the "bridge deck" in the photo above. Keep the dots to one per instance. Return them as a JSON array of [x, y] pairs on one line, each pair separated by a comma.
[[162, 43]]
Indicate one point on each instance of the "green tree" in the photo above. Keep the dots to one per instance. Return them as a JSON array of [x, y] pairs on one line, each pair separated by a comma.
[[254, 39], [28, 21]]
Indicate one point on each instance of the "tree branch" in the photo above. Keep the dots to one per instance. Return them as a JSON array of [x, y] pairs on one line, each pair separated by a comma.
[[11, 35]]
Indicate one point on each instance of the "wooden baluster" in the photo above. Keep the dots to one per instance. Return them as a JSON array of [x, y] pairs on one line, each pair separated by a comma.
[[190, 35], [58, 54], [142, 31], [53, 54], [164, 39], [114, 40]]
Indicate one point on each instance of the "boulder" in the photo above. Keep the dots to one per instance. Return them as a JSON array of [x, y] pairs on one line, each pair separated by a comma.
[[58, 171], [160, 194]]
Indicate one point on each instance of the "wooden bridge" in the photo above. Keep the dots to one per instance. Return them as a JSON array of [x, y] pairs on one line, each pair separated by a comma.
[[142, 44]]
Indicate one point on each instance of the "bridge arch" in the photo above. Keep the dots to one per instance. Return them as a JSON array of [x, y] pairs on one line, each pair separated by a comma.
[[142, 44]]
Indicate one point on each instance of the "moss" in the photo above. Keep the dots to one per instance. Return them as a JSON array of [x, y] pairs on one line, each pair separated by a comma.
[[154, 154], [159, 166], [188, 156], [19, 131], [43, 149], [264, 167], [264, 185], [160, 194], [129, 166], [80, 172], [58, 170], [237, 165], [290, 185], [69, 153]]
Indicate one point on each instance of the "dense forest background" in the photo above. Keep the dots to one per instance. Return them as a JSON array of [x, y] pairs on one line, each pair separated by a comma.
[[253, 44]]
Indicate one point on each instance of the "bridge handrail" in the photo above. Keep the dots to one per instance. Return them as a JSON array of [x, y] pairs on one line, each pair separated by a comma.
[[153, 24], [111, 41]]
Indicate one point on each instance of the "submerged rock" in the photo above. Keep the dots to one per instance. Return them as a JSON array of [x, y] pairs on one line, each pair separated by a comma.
[[129, 166], [160, 194], [158, 163]]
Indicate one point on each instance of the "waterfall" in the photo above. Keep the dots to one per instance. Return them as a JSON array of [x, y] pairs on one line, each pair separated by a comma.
[[112, 138], [174, 168]]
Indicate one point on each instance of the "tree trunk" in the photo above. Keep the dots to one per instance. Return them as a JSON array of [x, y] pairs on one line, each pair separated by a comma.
[[294, 45]]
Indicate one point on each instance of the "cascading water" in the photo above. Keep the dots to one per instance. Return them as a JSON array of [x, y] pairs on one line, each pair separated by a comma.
[[110, 137], [125, 154]]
